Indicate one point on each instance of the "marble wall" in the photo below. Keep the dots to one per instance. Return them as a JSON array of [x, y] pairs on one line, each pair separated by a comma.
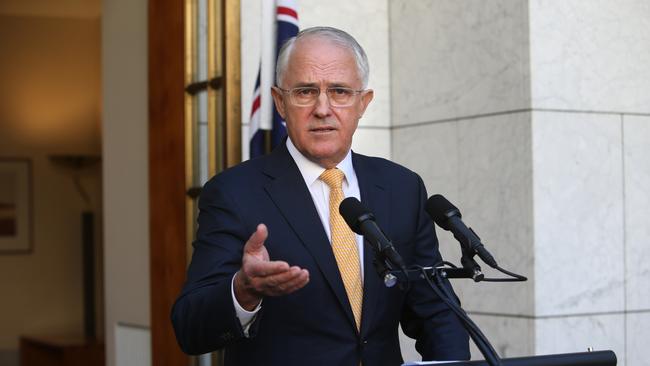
[[460, 120], [590, 55], [454, 59], [578, 195], [636, 167], [579, 232], [486, 173], [590, 91], [532, 116]]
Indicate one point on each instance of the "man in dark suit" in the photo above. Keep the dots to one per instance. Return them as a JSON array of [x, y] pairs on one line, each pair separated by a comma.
[[275, 277]]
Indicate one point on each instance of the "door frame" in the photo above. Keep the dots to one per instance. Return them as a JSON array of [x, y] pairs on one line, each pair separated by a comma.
[[168, 248]]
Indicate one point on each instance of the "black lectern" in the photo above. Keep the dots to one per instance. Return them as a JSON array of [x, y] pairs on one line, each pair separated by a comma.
[[598, 358]]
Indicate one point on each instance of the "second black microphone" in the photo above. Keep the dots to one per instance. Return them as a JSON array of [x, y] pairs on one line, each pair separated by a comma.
[[362, 222]]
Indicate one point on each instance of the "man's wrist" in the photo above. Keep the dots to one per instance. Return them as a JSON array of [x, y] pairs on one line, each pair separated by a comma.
[[246, 299]]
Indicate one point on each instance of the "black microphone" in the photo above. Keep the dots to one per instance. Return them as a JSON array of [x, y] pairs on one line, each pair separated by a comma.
[[362, 222], [448, 217]]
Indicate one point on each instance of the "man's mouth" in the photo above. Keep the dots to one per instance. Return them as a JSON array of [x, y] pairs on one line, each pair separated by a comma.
[[322, 129]]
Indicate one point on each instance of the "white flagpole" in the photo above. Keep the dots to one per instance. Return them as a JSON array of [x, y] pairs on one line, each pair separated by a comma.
[[267, 74]]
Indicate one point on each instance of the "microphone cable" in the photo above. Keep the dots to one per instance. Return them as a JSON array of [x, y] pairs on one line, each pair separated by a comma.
[[514, 277], [490, 354]]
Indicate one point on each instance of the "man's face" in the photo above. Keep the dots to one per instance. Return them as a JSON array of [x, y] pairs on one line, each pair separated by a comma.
[[322, 133]]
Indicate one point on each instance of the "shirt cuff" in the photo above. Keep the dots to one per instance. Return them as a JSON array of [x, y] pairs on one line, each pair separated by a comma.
[[245, 317]]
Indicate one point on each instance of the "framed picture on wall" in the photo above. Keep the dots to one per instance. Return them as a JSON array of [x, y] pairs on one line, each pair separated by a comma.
[[15, 205]]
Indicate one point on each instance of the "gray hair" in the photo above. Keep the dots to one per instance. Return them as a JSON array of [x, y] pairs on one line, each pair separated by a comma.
[[334, 35]]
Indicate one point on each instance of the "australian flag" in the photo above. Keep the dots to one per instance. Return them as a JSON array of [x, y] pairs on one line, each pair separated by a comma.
[[264, 116]]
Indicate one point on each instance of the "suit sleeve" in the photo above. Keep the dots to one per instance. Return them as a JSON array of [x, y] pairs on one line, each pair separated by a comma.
[[204, 315], [438, 332]]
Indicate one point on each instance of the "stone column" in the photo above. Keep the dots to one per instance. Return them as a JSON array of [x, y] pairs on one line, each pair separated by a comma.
[[534, 118], [590, 90]]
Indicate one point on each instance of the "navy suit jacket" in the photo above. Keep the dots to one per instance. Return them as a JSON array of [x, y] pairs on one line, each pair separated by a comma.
[[314, 325]]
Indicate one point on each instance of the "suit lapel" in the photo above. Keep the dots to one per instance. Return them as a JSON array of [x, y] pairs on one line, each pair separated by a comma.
[[292, 198], [375, 195]]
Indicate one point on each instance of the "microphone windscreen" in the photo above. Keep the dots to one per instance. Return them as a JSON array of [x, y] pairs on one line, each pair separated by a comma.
[[438, 207], [351, 210]]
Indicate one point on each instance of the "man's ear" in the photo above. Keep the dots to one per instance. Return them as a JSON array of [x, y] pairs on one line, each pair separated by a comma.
[[366, 98], [278, 99]]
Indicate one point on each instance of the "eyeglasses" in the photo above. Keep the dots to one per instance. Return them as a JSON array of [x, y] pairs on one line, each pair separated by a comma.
[[306, 96]]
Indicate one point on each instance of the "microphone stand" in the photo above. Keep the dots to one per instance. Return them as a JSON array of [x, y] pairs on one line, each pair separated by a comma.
[[393, 274], [468, 263], [435, 277], [385, 269]]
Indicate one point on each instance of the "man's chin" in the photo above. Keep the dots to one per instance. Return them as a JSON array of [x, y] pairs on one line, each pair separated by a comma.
[[326, 157]]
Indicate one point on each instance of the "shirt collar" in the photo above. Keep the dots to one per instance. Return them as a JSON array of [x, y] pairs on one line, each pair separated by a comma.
[[311, 171]]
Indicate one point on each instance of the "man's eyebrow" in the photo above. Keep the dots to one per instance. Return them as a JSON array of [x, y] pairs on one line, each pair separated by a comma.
[[338, 85], [303, 85], [317, 85]]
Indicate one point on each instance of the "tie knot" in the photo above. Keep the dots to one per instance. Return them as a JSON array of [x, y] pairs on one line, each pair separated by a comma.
[[333, 178]]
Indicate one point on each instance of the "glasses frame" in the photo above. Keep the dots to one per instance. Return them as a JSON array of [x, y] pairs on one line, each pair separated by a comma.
[[356, 92]]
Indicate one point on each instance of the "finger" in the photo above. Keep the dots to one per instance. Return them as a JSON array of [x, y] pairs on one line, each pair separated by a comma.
[[296, 283], [264, 268], [256, 241], [287, 287], [279, 283], [274, 280]]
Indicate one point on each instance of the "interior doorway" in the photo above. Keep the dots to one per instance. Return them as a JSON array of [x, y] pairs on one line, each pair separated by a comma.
[[50, 176]]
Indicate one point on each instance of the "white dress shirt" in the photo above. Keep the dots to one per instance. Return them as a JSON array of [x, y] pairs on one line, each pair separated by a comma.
[[320, 192]]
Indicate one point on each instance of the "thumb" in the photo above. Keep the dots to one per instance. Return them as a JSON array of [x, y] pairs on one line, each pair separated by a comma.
[[256, 241]]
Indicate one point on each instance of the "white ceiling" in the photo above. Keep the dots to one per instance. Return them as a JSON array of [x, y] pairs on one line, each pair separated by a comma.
[[52, 8]]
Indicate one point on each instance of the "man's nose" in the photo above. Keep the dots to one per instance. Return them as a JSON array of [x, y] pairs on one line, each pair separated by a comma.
[[322, 107]]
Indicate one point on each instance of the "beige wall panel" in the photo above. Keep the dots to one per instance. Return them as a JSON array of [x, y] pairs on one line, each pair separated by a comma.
[[452, 59], [125, 123]]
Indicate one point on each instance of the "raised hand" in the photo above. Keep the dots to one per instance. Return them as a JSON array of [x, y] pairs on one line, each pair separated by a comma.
[[259, 276]]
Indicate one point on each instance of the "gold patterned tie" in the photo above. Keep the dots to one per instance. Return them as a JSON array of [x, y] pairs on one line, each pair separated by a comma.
[[344, 243]]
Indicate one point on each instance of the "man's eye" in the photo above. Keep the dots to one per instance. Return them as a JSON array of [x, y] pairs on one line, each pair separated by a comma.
[[340, 91], [306, 92]]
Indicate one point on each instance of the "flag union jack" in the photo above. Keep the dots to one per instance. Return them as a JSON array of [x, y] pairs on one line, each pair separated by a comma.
[[264, 116]]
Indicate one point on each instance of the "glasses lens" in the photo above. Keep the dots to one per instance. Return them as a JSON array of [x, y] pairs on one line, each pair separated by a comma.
[[341, 96], [307, 96], [304, 96]]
